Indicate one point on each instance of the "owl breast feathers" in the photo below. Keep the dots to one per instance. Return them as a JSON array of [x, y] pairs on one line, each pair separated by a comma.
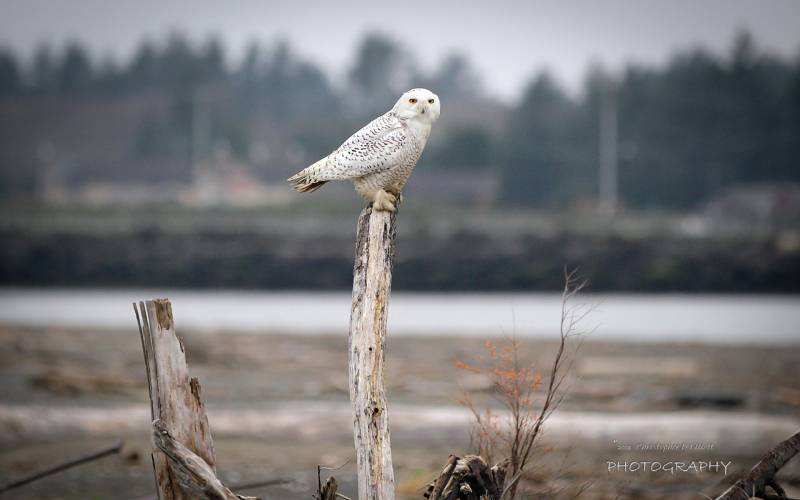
[[380, 157]]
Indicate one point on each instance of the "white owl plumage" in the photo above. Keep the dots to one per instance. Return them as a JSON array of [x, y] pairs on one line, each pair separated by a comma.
[[380, 157]]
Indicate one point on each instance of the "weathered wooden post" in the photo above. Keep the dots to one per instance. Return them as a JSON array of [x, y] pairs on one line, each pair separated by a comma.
[[184, 460], [372, 284]]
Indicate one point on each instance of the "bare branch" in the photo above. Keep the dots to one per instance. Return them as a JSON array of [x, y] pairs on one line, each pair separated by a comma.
[[515, 386], [91, 457], [322, 491]]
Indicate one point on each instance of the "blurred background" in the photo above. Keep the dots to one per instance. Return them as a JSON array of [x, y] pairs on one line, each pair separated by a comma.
[[653, 146]]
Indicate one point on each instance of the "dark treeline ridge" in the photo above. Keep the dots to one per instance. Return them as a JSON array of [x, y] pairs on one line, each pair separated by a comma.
[[463, 261], [460, 262], [687, 130]]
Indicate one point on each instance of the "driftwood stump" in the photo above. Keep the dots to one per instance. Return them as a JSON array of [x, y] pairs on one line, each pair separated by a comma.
[[329, 490], [183, 460], [469, 478], [372, 283]]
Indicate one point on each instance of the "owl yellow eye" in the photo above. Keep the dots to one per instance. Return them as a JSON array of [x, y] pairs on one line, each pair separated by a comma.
[[412, 100], [430, 101]]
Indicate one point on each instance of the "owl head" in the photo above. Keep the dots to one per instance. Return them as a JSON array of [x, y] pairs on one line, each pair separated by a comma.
[[418, 104]]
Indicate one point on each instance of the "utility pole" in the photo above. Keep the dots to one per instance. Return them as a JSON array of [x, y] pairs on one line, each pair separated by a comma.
[[206, 176], [608, 182]]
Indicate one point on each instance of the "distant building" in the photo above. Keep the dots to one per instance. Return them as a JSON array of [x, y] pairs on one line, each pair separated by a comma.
[[754, 207], [478, 187], [229, 184], [232, 184]]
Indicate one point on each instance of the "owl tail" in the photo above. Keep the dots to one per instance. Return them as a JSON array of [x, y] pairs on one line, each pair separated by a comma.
[[306, 181]]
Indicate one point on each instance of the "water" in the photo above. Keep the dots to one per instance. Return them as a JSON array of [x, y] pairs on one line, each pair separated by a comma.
[[753, 319]]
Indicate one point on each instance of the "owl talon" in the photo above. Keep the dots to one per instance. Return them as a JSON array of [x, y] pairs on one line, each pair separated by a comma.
[[384, 201], [398, 197], [385, 206]]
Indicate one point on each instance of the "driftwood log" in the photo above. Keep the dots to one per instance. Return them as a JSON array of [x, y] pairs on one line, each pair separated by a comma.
[[372, 283], [755, 483], [183, 461], [195, 476], [468, 478]]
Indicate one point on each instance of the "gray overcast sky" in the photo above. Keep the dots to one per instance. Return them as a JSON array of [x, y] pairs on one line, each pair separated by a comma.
[[506, 40]]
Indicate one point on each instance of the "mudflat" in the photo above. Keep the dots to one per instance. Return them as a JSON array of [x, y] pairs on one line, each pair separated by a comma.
[[278, 406]]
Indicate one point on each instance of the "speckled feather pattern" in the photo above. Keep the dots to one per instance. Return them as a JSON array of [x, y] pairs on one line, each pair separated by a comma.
[[381, 155]]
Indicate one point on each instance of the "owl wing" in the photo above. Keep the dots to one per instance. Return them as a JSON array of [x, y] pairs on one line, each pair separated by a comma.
[[377, 147]]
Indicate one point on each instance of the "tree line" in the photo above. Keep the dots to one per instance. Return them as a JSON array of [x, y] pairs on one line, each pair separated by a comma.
[[687, 129]]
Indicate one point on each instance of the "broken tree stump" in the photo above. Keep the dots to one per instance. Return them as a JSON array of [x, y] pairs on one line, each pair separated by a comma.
[[183, 461], [372, 283]]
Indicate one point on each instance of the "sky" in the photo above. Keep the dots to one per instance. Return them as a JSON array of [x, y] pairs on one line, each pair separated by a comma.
[[507, 41]]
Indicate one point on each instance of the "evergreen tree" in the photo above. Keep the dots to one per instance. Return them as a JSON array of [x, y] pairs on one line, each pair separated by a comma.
[[75, 70], [536, 153], [455, 78], [382, 71], [10, 79]]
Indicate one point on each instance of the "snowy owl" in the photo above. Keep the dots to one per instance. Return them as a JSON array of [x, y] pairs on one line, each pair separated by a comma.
[[379, 158]]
